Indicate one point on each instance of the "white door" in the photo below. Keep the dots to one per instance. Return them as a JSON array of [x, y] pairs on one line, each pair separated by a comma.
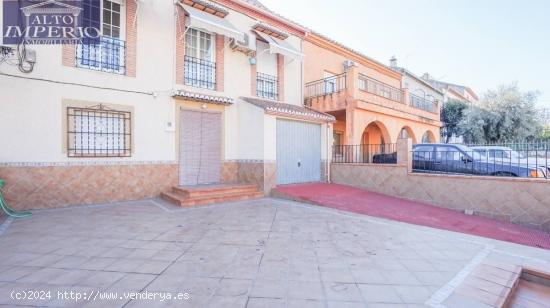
[[200, 147], [298, 152]]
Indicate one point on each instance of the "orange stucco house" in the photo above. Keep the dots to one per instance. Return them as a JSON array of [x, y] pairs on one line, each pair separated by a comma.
[[367, 98]]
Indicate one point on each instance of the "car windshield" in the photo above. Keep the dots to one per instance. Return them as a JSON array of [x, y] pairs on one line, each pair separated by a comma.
[[498, 153], [471, 152]]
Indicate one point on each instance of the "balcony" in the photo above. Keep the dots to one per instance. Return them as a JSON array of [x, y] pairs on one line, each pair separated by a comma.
[[199, 73], [422, 103], [266, 86], [336, 93], [108, 55]]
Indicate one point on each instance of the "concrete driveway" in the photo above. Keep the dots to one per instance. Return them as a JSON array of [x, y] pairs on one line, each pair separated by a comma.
[[260, 253]]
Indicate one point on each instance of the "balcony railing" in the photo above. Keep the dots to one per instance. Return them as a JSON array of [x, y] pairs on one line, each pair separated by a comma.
[[326, 86], [107, 55], [379, 88], [422, 103], [199, 73], [266, 86]]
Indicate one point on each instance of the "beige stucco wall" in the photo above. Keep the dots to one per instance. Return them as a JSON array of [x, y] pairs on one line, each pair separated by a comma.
[[521, 201]]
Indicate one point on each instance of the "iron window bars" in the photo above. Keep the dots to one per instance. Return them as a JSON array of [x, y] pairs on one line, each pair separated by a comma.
[[98, 132], [199, 73], [266, 86], [109, 55]]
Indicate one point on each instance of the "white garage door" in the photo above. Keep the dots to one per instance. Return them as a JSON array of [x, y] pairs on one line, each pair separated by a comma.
[[298, 152]]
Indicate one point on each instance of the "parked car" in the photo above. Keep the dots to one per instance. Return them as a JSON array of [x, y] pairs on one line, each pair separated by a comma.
[[385, 158], [508, 155], [454, 158]]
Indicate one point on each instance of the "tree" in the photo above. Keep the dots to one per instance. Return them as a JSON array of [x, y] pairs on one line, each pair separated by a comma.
[[451, 116], [506, 114]]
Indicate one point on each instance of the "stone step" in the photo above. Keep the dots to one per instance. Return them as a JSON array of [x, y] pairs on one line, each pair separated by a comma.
[[207, 190], [183, 201]]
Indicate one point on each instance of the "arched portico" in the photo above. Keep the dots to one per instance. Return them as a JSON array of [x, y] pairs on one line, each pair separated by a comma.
[[375, 133], [428, 137], [407, 132]]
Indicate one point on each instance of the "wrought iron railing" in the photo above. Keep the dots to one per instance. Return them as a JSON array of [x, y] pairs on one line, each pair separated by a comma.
[[365, 154], [498, 162], [107, 55], [422, 103], [266, 86], [199, 73], [379, 88], [325, 86]]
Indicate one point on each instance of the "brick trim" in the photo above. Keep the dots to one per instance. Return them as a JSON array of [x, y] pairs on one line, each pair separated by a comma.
[[281, 77], [180, 45], [68, 55], [131, 37], [220, 58]]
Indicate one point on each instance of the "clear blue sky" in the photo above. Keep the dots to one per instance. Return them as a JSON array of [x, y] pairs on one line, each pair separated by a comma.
[[477, 43]]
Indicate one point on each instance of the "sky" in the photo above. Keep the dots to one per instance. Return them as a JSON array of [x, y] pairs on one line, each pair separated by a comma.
[[478, 43]]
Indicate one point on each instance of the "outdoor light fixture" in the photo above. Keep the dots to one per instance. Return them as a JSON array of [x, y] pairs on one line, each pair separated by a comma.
[[252, 60]]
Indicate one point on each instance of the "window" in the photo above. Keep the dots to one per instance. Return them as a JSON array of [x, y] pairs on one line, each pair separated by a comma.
[[98, 132], [424, 152], [266, 86], [108, 54], [337, 142], [200, 68]]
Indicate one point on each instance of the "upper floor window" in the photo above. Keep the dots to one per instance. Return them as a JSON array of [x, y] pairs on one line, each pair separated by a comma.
[[108, 54], [200, 68], [266, 86]]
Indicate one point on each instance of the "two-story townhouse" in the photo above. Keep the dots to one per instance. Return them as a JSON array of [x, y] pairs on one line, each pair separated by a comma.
[[422, 95], [176, 93], [366, 97]]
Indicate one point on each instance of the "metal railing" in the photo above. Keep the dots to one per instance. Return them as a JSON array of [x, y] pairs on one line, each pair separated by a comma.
[[199, 73], [325, 86], [107, 55], [365, 153], [422, 103], [266, 86], [503, 163], [379, 88]]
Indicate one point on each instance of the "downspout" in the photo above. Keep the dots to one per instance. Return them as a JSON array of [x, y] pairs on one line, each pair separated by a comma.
[[327, 148]]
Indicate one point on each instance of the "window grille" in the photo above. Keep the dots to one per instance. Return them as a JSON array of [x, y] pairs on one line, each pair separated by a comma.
[[98, 132], [266, 86]]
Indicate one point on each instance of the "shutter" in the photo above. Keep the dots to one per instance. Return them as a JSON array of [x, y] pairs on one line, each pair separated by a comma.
[[200, 147]]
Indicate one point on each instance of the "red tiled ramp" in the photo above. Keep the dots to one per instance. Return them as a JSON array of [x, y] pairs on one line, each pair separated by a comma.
[[361, 201]]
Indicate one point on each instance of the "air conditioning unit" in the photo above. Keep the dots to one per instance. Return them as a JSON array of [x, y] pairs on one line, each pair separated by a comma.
[[248, 46]]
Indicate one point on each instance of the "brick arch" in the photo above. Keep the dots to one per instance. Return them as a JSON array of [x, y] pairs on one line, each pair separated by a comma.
[[409, 133], [375, 132]]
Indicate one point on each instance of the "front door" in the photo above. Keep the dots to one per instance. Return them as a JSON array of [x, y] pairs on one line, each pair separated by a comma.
[[200, 147]]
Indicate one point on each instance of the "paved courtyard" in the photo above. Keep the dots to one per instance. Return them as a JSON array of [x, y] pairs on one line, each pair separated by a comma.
[[260, 253]]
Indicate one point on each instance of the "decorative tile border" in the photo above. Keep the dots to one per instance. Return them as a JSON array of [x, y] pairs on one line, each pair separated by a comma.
[[86, 163]]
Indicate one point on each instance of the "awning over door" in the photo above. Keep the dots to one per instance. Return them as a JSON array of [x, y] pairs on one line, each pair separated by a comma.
[[202, 20], [282, 47]]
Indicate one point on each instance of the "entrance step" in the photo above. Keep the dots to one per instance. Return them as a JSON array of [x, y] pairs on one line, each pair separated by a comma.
[[188, 196]]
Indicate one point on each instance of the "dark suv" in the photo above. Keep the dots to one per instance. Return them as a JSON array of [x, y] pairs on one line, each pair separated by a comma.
[[455, 158]]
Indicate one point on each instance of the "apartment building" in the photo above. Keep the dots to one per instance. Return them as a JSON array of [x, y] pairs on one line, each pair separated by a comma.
[[176, 93], [452, 91], [368, 99]]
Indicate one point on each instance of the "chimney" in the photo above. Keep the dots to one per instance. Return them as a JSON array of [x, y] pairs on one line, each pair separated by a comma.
[[393, 62], [426, 76]]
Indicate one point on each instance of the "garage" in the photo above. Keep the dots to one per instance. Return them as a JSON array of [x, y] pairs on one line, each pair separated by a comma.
[[298, 152]]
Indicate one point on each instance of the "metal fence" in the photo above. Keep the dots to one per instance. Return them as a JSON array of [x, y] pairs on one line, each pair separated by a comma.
[[325, 86], [365, 153], [483, 161]]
